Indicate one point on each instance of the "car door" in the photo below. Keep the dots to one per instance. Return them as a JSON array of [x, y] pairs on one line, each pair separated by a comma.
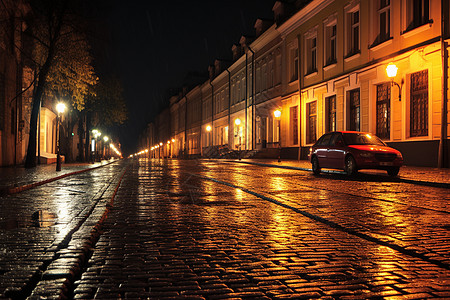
[[322, 150], [336, 151]]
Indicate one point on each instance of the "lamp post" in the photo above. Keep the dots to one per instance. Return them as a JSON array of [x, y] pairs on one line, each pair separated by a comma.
[[60, 107], [105, 140], [160, 146], [391, 71], [238, 123], [277, 115], [172, 148], [96, 134]]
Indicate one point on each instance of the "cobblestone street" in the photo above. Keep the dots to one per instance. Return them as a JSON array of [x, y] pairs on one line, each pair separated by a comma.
[[173, 233]]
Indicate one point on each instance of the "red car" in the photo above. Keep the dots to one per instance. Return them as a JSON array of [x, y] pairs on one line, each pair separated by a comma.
[[351, 151]]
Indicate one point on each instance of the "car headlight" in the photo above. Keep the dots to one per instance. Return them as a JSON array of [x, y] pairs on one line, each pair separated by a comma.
[[366, 154]]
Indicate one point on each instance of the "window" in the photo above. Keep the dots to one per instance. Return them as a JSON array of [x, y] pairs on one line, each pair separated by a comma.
[[278, 69], [311, 59], [419, 104], [271, 72], [383, 110], [330, 44], [294, 64], [418, 13], [294, 124], [311, 126], [276, 130], [330, 103], [384, 20], [352, 20], [354, 110]]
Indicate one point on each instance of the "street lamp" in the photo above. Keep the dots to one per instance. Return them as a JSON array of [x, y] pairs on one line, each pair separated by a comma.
[[277, 115], [60, 108], [96, 134], [238, 123], [105, 140], [391, 71], [160, 146]]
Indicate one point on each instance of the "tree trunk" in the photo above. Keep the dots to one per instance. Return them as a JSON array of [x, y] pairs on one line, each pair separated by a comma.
[[30, 161], [81, 150]]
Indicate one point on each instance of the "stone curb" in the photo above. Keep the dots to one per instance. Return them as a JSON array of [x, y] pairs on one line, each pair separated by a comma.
[[396, 179]]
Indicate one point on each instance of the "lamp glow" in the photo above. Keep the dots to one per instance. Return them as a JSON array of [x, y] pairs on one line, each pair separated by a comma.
[[60, 107], [277, 113], [391, 70], [237, 121]]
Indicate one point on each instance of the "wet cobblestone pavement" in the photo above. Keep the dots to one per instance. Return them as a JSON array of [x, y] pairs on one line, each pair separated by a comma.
[[15, 179], [210, 230], [45, 231]]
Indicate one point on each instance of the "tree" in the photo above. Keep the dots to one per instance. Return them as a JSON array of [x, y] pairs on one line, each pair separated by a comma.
[[62, 58], [108, 103]]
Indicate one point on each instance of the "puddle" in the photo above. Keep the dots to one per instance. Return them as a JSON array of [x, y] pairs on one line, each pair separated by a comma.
[[40, 219]]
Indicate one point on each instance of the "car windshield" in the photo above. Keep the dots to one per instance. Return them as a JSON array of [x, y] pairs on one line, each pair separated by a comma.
[[362, 139]]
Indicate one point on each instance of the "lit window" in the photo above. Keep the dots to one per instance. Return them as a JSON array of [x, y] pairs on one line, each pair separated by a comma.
[[419, 104]]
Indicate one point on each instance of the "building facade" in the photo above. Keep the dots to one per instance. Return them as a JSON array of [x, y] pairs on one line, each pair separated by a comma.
[[324, 66]]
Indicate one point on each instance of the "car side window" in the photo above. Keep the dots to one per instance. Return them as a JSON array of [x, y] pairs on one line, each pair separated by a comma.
[[325, 140], [336, 140]]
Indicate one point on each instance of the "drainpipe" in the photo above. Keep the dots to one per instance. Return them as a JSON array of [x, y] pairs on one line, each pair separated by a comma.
[[253, 99], [185, 127], [300, 85], [212, 113], [444, 54], [229, 104], [201, 122]]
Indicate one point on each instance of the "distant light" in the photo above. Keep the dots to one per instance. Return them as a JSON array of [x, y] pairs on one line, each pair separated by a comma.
[[161, 144], [105, 138], [73, 134], [173, 140], [391, 70], [208, 128], [237, 121]]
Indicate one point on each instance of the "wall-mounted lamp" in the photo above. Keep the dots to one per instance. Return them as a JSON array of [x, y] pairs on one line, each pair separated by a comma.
[[391, 71]]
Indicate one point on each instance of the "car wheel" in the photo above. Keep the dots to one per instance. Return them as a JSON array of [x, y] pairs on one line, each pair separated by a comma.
[[393, 171], [350, 166], [315, 165]]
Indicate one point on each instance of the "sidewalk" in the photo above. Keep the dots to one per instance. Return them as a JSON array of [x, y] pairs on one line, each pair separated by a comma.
[[14, 179], [409, 174]]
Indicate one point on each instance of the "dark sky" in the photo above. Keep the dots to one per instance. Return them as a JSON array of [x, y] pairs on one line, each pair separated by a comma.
[[155, 44]]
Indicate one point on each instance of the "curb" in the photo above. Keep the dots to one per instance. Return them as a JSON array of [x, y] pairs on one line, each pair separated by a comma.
[[15, 190], [394, 179]]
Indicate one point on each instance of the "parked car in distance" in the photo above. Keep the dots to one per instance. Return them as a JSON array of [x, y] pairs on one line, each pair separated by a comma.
[[352, 151]]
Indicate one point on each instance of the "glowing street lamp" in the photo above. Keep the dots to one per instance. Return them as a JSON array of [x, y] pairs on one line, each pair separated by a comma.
[[391, 71], [60, 108], [277, 115]]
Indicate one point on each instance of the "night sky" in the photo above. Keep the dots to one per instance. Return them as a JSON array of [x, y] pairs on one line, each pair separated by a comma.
[[154, 45]]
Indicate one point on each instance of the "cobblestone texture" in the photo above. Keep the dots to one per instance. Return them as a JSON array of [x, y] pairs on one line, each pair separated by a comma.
[[172, 234]]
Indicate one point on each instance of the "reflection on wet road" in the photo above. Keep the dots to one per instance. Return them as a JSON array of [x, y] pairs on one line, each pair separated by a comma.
[[212, 230]]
